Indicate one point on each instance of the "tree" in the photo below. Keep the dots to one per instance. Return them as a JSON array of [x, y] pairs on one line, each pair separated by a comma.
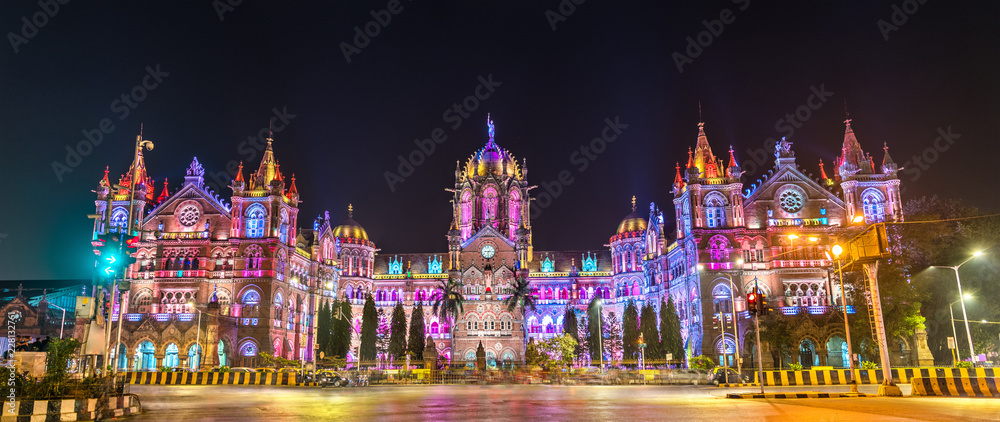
[[397, 333], [448, 303], [571, 326], [323, 327], [670, 330], [613, 337], [521, 297], [369, 330], [630, 333], [531, 355], [595, 329], [382, 337], [583, 328], [343, 329], [417, 334], [650, 333], [557, 351]]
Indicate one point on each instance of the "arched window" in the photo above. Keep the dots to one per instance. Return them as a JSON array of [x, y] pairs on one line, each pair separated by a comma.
[[283, 227], [874, 206], [490, 206], [119, 217], [251, 297], [514, 214], [718, 248], [255, 221], [278, 299], [715, 210], [466, 216]]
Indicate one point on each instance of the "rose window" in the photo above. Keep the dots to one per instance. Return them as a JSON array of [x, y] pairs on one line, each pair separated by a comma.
[[790, 201], [188, 215]]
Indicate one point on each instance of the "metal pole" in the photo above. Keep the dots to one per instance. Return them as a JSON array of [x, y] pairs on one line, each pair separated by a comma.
[[725, 356], [63, 326], [760, 356], [972, 350], [871, 270], [847, 327], [118, 342], [736, 329], [951, 311], [197, 340]]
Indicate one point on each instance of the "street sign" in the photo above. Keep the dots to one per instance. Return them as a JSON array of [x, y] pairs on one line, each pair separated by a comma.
[[670, 356], [951, 343]]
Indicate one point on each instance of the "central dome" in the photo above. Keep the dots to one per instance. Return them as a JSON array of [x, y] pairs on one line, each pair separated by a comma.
[[491, 159]]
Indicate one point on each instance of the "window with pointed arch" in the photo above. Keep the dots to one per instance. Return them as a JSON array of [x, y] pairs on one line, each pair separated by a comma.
[[874, 206], [466, 215], [119, 217], [283, 227], [514, 214], [255, 221], [278, 300], [715, 210], [280, 265], [718, 248], [490, 201], [327, 248]]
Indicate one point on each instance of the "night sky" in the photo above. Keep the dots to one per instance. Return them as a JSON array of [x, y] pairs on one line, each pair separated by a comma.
[[220, 80]]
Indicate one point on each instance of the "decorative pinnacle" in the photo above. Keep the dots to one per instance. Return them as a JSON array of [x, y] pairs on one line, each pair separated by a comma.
[[350, 210], [633, 202]]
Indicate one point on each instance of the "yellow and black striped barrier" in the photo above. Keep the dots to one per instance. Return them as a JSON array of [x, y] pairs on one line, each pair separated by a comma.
[[210, 378], [955, 386], [868, 376]]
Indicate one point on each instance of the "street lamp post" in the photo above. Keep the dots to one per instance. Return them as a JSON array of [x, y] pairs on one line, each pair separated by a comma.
[[837, 250], [954, 334], [965, 315], [63, 326]]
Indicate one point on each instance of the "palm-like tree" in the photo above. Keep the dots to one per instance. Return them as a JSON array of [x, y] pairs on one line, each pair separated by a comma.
[[521, 297], [448, 302]]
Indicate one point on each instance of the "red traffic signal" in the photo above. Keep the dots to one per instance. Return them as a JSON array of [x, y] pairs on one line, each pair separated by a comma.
[[752, 303], [132, 242]]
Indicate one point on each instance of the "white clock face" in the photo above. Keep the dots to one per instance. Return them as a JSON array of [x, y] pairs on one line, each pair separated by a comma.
[[488, 251]]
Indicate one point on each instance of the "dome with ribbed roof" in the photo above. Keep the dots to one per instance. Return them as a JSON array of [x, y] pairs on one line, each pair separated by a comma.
[[491, 159], [633, 222], [350, 228]]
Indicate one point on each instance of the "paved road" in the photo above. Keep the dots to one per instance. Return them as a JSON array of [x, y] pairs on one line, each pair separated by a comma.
[[531, 403]]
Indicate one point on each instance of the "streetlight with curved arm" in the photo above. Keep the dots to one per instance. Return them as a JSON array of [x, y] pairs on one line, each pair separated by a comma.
[[965, 315]]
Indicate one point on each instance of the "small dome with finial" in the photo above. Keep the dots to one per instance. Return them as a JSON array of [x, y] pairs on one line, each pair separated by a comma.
[[633, 222], [350, 228]]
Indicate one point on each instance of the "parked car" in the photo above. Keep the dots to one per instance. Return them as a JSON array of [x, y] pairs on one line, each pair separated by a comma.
[[330, 378], [240, 370], [718, 376], [265, 370]]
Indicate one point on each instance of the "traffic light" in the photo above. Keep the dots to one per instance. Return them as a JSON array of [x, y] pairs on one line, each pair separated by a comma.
[[715, 321], [752, 303], [762, 300]]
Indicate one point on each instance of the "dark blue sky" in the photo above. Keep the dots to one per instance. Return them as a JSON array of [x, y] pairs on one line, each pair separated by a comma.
[[556, 88]]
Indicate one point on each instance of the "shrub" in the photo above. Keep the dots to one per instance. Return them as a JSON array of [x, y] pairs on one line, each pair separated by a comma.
[[869, 365], [165, 369], [224, 369], [795, 366], [702, 362], [963, 364]]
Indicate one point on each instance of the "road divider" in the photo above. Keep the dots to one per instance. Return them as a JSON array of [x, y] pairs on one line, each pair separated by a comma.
[[868, 376], [803, 395], [210, 378], [955, 386]]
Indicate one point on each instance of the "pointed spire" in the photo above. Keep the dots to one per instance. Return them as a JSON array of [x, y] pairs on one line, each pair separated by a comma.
[[871, 162], [105, 182], [239, 173], [678, 180], [633, 203], [268, 166], [690, 158], [851, 152], [732, 158], [293, 190], [704, 159], [886, 159], [277, 172], [822, 170], [164, 194]]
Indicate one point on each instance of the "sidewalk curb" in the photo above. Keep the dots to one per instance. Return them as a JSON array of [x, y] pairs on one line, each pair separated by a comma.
[[738, 385], [805, 395]]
